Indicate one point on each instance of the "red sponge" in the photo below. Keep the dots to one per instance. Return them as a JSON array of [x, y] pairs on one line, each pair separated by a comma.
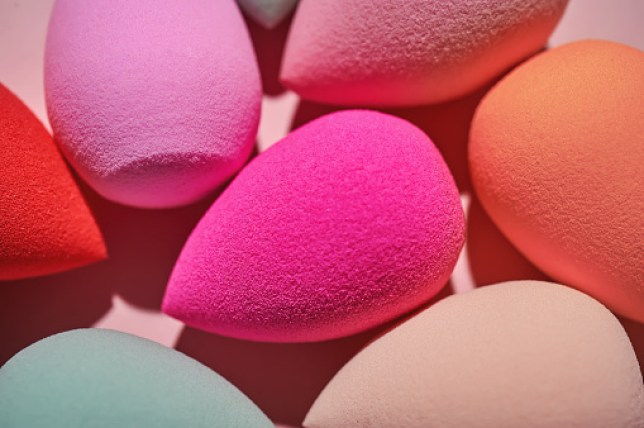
[[45, 225]]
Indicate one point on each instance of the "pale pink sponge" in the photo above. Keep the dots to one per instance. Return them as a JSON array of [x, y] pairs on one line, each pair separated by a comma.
[[348, 222], [401, 52], [154, 103]]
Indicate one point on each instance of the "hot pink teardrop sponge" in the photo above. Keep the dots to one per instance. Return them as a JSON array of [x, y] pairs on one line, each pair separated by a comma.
[[402, 52], [348, 222], [154, 103]]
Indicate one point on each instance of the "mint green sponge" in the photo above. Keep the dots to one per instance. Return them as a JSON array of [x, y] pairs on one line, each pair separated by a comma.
[[101, 378]]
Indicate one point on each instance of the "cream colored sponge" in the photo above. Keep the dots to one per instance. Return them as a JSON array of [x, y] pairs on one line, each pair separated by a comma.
[[557, 160], [517, 354]]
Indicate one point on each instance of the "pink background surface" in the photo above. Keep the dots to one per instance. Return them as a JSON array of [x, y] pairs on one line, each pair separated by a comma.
[[124, 293]]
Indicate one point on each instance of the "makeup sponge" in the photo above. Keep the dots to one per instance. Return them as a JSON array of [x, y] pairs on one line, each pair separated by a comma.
[[104, 378], [557, 160], [268, 13], [401, 52], [154, 102], [517, 354], [45, 225], [349, 221]]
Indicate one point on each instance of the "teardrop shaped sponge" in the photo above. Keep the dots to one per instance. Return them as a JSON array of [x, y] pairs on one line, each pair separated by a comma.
[[104, 379], [557, 160], [402, 52], [268, 13], [45, 224], [518, 354], [348, 222], [154, 103]]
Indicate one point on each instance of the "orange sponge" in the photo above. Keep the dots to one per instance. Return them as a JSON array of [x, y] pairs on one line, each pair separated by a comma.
[[557, 159], [45, 225]]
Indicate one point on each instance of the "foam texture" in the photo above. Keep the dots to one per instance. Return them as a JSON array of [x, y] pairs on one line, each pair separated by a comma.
[[268, 13], [154, 103], [104, 378], [45, 224], [401, 52], [557, 159], [517, 354], [348, 222]]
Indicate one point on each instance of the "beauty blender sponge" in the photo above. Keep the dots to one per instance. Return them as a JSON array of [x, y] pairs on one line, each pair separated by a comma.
[[351, 220], [154, 103], [557, 160], [516, 354], [104, 378], [268, 13], [45, 225], [401, 52]]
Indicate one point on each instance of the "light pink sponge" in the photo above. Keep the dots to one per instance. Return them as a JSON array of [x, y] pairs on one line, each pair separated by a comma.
[[346, 223], [154, 102], [402, 52]]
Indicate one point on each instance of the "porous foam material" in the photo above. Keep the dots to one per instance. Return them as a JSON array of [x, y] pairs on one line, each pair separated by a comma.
[[517, 354], [557, 160], [105, 379], [268, 13], [45, 224], [154, 103], [348, 222], [401, 52]]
